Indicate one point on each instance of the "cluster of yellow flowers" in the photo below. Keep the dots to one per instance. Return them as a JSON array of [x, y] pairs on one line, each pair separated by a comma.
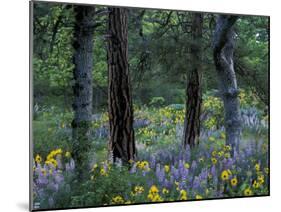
[[153, 194], [183, 195], [146, 132], [260, 177], [54, 153], [143, 165], [102, 169], [51, 158], [117, 200], [225, 152], [137, 190]]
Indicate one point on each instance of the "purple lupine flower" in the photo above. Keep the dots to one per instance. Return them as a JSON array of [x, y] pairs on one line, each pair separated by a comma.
[[193, 165], [204, 174], [72, 164], [59, 178], [42, 180], [175, 173], [152, 161], [133, 168], [58, 159], [51, 201], [196, 183], [53, 186], [182, 185], [213, 171], [167, 184], [160, 173]]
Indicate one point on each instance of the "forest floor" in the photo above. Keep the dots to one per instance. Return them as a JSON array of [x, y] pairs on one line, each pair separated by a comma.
[[164, 170]]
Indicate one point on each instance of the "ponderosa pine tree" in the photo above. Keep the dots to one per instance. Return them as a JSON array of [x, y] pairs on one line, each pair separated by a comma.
[[193, 87], [82, 89], [121, 137], [223, 48]]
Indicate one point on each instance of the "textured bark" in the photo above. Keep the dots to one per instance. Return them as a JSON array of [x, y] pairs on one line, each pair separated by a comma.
[[82, 89], [193, 89], [121, 138], [223, 45]]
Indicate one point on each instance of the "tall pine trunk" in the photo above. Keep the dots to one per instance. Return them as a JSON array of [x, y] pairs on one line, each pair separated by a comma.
[[223, 45], [193, 88], [82, 89], [120, 108]]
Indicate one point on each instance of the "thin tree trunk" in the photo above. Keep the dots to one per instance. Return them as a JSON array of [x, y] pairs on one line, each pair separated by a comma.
[[193, 89], [223, 57], [82, 73], [120, 108]]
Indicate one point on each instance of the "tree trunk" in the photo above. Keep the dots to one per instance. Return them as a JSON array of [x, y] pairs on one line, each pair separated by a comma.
[[193, 89], [82, 89], [120, 108], [223, 45]]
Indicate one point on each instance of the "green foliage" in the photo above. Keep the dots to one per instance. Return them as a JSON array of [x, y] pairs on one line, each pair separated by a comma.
[[157, 101], [52, 129]]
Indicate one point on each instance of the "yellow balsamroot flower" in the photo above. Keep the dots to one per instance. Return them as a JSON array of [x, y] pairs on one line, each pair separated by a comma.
[[138, 189], [144, 165], [153, 189], [234, 181], [225, 175], [220, 153], [261, 179], [58, 151], [165, 191], [248, 192], [257, 167], [103, 172], [153, 194], [198, 196], [167, 168], [183, 195], [201, 159], [117, 200], [186, 165], [256, 184], [51, 161], [67, 154], [227, 148], [266, 170], [38, 159], [214, 161], [54, 153], [214, 153], [227, 155], [157, 198]]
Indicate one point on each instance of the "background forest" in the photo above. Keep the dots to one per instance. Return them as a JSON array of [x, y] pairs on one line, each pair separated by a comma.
[[143, 105]]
